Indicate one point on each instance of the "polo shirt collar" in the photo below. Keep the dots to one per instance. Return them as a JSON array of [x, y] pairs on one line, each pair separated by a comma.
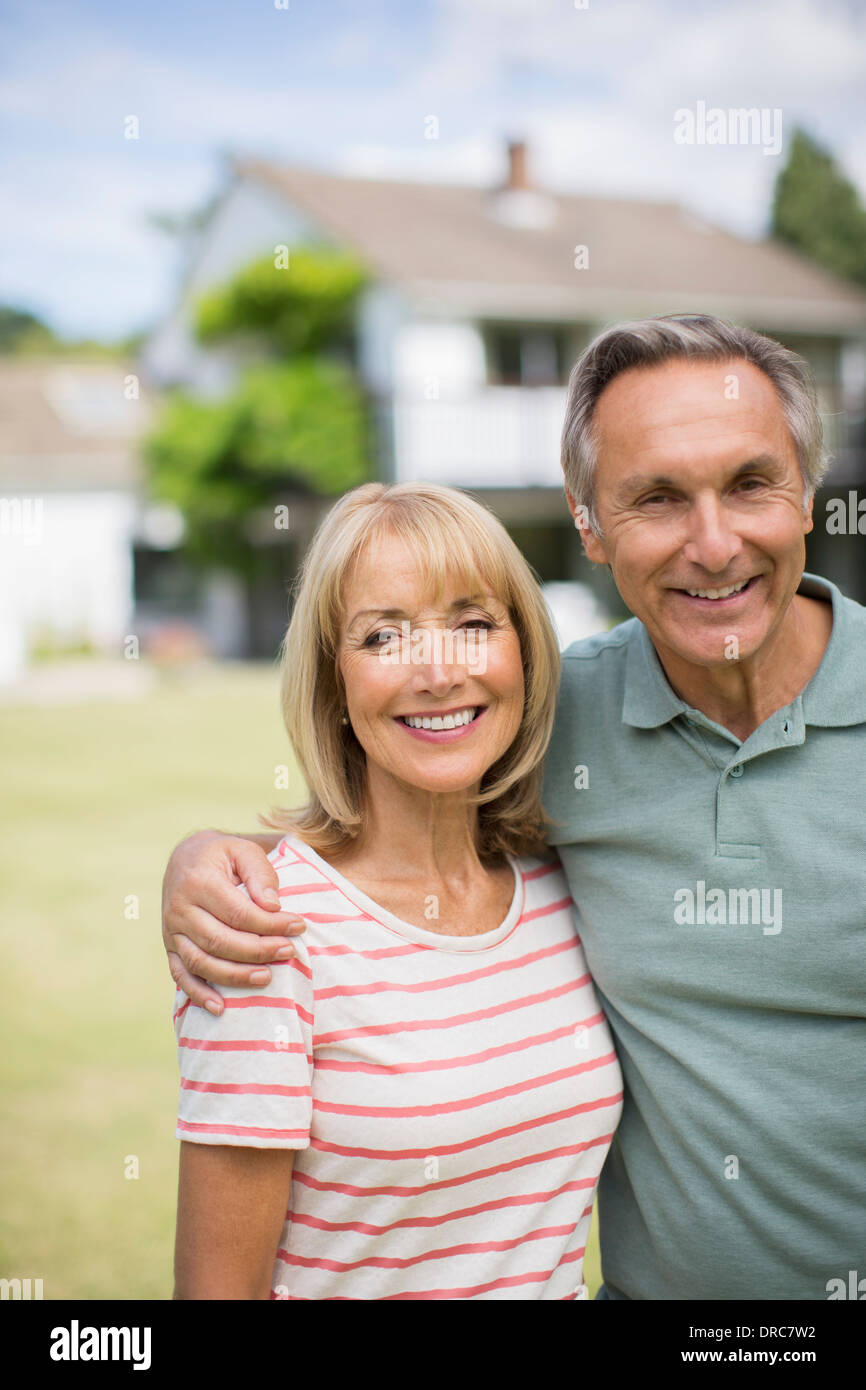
[[836, 694], [648, 701]]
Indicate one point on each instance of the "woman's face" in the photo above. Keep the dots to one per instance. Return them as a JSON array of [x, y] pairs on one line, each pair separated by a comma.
[[401, 656]]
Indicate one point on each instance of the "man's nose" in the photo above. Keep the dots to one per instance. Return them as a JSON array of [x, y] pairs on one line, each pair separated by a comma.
[[712, 541]]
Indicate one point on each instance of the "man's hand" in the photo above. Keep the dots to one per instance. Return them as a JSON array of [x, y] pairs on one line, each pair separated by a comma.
[[208, 925]]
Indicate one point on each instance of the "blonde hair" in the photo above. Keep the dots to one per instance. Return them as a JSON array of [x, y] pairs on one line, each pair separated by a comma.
[[448, 533]]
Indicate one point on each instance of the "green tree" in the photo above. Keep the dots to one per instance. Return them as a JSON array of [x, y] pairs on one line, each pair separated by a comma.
[[818, 211], [22, 332], [306, 307], [289, 427], [297, 420]]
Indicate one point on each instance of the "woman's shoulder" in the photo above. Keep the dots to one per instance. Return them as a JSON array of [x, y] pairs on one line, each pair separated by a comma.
[[298, 863], [544, 876], [310, 884], [289, 840], [544, 858]]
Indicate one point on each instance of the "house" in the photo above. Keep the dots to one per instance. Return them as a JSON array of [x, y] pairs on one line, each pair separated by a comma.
[[479, 302], [68, 478]]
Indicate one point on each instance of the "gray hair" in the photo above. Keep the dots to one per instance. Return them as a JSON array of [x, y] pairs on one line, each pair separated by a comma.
[[694, 337]]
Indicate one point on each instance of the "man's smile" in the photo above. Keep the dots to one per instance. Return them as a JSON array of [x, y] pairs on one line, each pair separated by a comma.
[[726, 596]]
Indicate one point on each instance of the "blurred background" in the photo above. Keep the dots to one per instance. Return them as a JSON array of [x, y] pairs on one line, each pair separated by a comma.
[[251, 256]]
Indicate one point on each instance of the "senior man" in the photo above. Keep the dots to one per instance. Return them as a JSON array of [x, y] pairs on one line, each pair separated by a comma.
[[705, 786]]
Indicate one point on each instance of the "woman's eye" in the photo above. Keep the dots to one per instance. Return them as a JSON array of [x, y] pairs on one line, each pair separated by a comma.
[[382, 637], [478, 622]]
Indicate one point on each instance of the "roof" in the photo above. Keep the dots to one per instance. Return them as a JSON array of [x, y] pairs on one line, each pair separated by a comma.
[[453, 248], [68, 425]]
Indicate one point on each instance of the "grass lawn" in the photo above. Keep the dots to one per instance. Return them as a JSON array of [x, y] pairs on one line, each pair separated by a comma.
[[95, 795]]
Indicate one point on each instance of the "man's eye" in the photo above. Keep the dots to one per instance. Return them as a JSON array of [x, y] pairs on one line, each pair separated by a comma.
[[751, 482], [655, 497]]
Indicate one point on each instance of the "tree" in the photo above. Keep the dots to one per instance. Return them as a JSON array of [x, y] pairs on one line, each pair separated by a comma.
[[306, 307], [295, 422], [22, 334], [21, 331], [289, 427], [818, 211]]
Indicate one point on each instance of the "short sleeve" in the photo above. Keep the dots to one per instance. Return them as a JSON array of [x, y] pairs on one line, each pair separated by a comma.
[[246, 1077], [560, 803]]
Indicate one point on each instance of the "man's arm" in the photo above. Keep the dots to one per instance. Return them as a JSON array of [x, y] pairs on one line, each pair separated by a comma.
[[231, 1205], [208, 926]]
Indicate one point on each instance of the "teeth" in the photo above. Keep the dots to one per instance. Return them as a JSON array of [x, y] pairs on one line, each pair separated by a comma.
[[717, 593], [448, 721]]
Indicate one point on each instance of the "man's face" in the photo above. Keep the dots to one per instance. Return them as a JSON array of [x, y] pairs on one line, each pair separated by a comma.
[[698, 490]]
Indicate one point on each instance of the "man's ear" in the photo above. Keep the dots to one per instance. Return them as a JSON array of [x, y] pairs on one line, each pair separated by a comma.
[[592, 547], [807, 511]]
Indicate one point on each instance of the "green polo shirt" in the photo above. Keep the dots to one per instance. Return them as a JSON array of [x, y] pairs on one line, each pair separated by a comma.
[[721, 889]]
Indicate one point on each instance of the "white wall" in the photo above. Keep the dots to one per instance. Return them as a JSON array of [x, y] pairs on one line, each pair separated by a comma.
[[382, 314], [438, 359], [65, 567]]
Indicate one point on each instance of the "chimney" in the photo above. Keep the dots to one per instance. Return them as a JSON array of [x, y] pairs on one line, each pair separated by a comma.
[[517, 203], [518, 174]]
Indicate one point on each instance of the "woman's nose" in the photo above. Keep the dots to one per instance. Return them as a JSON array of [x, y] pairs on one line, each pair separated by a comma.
[[438, 666]]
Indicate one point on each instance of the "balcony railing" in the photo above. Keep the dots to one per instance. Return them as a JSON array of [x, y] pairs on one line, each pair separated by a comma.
[[504, 436]]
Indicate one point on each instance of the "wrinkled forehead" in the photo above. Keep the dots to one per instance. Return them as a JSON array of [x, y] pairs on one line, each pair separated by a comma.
[[689, 417], [413, 568]]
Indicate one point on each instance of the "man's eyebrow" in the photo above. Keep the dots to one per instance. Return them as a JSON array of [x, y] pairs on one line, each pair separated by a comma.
[[465, 602], [639, 482]]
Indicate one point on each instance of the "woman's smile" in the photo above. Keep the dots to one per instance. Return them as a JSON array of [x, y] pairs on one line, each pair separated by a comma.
[[443, 726]]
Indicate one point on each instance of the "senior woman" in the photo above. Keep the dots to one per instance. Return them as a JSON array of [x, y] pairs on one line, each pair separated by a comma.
[[419, 1103]]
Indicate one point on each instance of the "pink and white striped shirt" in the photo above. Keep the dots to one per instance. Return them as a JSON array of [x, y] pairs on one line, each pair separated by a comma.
[[451, 1099]]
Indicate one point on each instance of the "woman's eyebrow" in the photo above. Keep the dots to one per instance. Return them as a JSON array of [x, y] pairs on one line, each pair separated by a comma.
[[464, 602]]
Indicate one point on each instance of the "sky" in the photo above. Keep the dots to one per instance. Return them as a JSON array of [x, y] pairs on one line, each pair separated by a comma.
[[349, 85]]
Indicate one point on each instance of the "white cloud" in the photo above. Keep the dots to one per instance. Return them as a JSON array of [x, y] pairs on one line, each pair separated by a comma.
[[593, 91]]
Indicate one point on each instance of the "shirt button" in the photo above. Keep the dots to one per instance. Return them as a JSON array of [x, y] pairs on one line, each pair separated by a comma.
[[737, 771]]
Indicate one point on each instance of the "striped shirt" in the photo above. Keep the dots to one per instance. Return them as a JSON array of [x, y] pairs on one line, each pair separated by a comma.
[[451, 1099]]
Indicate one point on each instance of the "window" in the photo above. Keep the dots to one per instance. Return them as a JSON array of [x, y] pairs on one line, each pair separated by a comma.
[[528, 354]]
